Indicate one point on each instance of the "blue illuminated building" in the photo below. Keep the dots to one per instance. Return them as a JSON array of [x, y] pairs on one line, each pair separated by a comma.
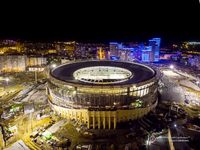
[[136, 52], [125, 53], [151, 53], [146, 54], [155, 44]]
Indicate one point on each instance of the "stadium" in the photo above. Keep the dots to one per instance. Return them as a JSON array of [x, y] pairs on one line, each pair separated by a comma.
[[101, 94]]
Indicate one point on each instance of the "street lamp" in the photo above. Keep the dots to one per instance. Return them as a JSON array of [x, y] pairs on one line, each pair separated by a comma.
[[53, 65], [7, 79], [175, 125], [35, 76], [148, 141], [197, 82], [171, 66]]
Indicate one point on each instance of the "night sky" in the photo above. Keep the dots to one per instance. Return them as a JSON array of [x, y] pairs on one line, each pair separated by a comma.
[[103, 22]]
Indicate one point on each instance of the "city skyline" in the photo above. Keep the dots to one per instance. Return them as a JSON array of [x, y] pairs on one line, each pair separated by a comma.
[[127, 95]]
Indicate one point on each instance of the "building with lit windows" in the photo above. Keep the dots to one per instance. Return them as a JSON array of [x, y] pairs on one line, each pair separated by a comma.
[[147, 54], [21, 63], [132, 52], [124, 53], [155, 52], [36, 61], [100, 94], [13, 63], [101, 53]]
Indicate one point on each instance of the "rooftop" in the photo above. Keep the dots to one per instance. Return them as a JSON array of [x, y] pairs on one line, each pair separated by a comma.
[[140, 73]]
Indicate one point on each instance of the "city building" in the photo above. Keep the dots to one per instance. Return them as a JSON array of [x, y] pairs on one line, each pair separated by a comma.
[[194, 61], [20, 63], [114, 48], [64, 60], [11, 47], [13, 63], [35, 63], [101, 54], [118, 51], [192, 47], [101, 94], [155, 44], [147, 54], [88, 50], [139, 52]]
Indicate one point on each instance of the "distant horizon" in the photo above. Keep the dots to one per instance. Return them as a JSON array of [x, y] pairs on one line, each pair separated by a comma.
[[164, 41]]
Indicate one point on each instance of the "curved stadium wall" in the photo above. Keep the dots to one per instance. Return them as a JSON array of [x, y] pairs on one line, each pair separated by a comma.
[[102, 103]]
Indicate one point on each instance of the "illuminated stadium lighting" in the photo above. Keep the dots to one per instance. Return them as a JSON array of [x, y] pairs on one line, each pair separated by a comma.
[[102, 74]]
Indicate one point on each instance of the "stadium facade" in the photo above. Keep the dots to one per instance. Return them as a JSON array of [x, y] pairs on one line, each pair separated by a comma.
[[101, 94]]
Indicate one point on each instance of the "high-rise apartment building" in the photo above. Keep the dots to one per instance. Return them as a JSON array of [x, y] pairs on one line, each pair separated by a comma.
[[155, 53]]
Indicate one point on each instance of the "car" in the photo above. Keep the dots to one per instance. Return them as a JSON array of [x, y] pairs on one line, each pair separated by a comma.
[[78, 129], [34, 140], [77, 147], [187, 101], [40, 141], [34, 134], [88, 133], [40, 133]]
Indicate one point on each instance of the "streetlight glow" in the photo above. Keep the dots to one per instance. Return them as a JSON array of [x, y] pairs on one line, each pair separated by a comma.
[[171, 66], [147, 142], [53, 65], [7, 79]]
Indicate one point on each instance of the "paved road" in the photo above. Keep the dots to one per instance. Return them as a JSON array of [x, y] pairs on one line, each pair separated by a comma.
[[161, 143], [180, 139], [54, 128]]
